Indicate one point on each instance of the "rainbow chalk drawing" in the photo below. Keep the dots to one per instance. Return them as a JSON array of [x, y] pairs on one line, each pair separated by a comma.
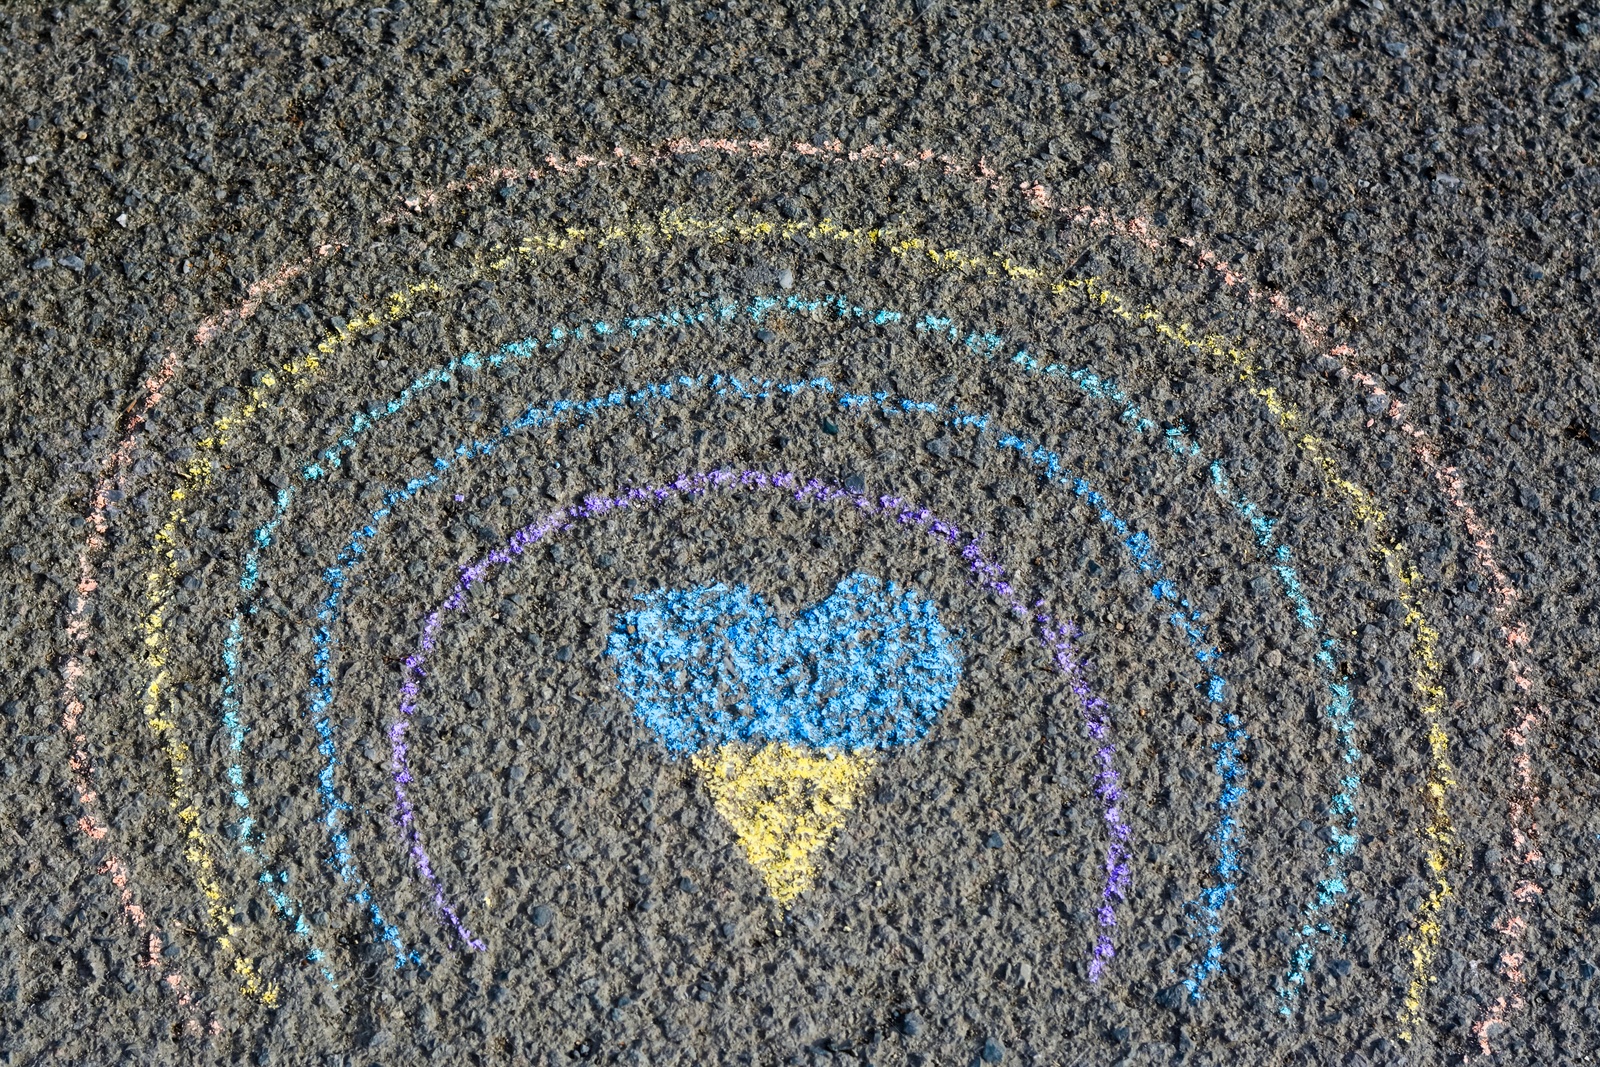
[[784, 728]]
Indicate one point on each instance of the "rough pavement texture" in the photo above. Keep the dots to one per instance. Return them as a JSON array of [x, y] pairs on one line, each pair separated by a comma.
[[1253, 341]]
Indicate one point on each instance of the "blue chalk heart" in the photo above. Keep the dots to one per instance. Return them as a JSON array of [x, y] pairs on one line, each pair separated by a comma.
[[869, 667]]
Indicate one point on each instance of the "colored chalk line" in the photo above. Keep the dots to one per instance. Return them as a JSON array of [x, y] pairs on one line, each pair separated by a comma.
[[1340, 713], [1522, 743]]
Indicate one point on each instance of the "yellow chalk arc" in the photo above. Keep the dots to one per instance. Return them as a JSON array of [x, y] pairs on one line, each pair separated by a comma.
[[784, 804]]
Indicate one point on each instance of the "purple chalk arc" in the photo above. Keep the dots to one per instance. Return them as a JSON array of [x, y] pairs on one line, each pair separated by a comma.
[[1056, 637]]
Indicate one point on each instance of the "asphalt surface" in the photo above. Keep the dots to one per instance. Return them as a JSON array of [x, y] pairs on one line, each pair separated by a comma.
[[1219, 376]]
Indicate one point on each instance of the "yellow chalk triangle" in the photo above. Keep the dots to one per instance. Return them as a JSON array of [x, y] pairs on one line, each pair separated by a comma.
[[784, 803]]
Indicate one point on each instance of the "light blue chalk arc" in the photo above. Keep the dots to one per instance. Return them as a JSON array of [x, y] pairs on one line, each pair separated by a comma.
[[870, 667]]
